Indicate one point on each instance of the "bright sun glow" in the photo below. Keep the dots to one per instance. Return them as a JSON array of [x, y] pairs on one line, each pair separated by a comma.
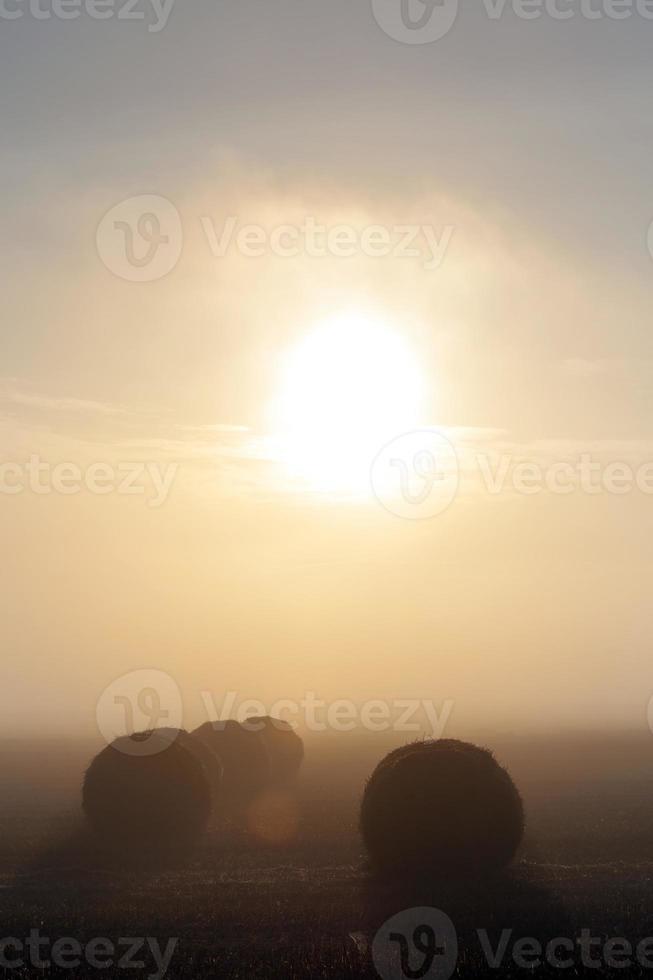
[[350, 386]]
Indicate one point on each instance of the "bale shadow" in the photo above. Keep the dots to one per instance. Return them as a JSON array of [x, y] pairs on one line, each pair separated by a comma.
[[488, 914]]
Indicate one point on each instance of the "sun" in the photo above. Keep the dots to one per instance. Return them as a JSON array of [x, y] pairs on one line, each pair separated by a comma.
[[347, 388]]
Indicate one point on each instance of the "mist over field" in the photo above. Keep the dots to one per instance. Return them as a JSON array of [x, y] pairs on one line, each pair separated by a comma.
[[492, 606], [326, 489]]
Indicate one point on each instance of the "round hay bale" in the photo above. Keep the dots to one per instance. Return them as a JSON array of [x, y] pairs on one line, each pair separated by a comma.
[[211, 765], [147, 795], [244, 760], [284, 747], [441, 806]]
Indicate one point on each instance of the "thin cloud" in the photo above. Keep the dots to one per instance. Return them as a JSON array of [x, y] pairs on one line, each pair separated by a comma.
[[11, 395], [218, 428]]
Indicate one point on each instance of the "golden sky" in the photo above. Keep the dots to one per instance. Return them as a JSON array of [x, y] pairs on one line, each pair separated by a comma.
[[254, 384]]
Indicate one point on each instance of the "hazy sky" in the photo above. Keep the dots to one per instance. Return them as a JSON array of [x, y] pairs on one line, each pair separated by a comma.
[[525, 145]]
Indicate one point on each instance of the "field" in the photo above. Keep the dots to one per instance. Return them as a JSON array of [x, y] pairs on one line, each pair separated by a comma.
[[308, 906]]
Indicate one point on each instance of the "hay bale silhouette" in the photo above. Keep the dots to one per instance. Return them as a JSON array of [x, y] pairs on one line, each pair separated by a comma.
[[439, 807], [147, 795], [211, 766], [244, 760], [284, 747]]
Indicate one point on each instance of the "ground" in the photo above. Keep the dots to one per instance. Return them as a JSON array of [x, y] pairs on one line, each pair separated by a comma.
[[309, 906]]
